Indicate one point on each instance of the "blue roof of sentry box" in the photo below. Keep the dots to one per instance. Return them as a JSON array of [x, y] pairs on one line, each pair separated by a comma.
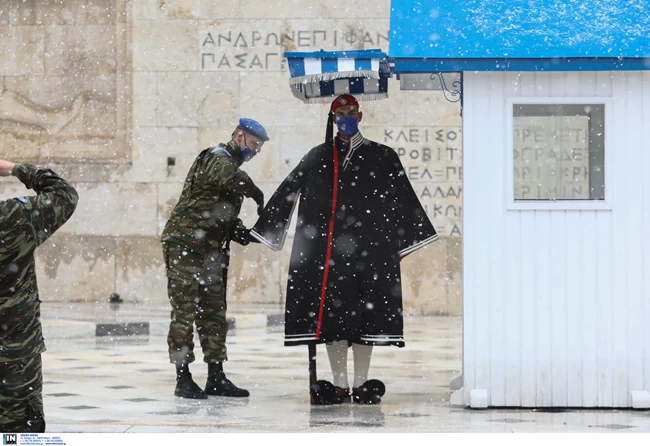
[[476, 33]]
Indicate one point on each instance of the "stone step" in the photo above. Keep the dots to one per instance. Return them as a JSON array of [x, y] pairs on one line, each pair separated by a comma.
[[133, 324]]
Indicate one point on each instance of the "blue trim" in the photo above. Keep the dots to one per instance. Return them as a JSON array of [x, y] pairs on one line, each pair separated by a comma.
[[362, 64], [296, 67], [329, 66], [424, 65], [353, 54]]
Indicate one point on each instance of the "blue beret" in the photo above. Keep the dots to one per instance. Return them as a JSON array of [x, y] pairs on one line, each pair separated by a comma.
[[254, 128]]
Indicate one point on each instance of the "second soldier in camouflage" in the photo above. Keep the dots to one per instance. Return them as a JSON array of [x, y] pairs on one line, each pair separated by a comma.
[[195, 238], [25, 224]]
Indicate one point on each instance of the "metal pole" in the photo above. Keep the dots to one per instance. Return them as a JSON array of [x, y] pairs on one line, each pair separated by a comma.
[[312, 364]]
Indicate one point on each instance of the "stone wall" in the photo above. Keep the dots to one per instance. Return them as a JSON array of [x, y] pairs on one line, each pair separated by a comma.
[[120, 96]]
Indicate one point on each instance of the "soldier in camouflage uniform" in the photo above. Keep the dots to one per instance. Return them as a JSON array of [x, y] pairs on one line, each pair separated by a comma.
[[25, 223], [195, 242]]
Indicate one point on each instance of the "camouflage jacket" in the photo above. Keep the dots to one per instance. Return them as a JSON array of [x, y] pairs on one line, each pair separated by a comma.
[[212, 196], [25, 223]]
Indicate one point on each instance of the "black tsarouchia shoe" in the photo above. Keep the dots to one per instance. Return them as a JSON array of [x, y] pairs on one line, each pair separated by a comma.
[[322, 393], [369, 393]]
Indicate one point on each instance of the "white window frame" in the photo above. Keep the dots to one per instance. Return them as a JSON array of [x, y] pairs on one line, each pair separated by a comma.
[[559, 205]]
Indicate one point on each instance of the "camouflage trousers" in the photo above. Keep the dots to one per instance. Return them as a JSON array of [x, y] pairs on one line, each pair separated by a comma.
[[21, 396], [197, 295]]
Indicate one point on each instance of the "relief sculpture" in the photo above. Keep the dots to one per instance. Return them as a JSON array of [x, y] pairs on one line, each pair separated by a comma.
[[65, 85], [19, 109]]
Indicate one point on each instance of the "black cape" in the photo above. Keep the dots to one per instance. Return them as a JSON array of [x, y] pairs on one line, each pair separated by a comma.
[[344, 274]]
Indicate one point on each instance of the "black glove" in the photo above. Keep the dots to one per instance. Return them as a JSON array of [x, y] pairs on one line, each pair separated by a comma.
[[240, 234]]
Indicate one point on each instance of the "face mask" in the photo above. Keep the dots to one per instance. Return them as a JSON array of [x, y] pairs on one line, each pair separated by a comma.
[[247, 153], [347, 125]]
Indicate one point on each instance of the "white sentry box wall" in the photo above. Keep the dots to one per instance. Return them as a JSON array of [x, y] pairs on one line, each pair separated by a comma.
[[556, 302]]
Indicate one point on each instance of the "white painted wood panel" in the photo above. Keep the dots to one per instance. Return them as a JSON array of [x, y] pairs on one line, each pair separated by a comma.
[[470, 312], [589, 297], [575, 264], [646, 242], [588, 289], [619, 226], [483, 247], [557, 301], [544, 83], [557, 278], [514, 322], [605, 280], [496, 160], [634, 175], [530, 352], [539, 259]]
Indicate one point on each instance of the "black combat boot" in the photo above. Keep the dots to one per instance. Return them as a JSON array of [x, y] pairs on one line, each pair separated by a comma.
[[185, 386], [218, 385]]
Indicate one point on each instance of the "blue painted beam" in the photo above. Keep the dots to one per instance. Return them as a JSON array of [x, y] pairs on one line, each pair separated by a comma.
[[427, 65]]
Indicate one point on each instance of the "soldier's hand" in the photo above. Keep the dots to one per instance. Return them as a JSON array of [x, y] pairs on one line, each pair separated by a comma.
[[241, 234], [6, 167]]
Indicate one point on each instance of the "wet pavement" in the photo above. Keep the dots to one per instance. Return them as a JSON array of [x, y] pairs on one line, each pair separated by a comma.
[[107, 370]]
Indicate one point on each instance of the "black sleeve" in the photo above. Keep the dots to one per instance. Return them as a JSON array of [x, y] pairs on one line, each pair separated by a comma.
[[273, 224], [415, 230]]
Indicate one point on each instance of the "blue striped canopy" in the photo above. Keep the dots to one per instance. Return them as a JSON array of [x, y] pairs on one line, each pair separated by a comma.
[[318, 76]]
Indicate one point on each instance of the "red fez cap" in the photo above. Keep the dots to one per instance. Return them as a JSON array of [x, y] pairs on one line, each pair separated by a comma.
[[342, 101]]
